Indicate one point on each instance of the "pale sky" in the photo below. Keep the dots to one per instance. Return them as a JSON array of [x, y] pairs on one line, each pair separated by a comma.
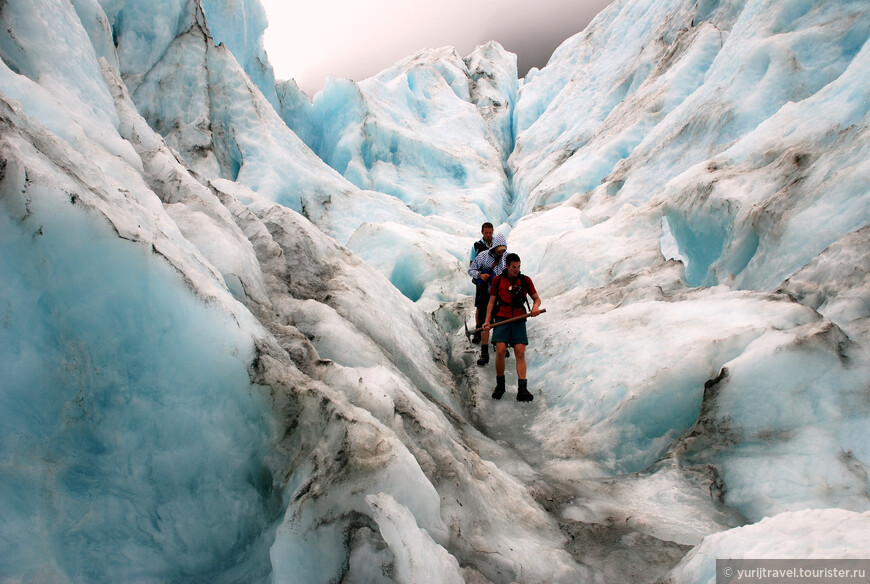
[[356, 39]]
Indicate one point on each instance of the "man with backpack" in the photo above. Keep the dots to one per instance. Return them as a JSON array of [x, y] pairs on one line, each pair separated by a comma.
[[484, 268], [483, 244], [507, 299]]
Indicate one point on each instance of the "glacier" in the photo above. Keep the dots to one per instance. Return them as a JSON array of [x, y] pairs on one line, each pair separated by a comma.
[[232, 316]]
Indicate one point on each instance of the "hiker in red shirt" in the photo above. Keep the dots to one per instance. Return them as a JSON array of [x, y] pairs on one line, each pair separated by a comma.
[[507, 299]]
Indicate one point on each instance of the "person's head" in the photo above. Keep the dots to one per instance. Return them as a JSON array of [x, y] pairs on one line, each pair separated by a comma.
[[499, 245], [512, 264], [486, 230]]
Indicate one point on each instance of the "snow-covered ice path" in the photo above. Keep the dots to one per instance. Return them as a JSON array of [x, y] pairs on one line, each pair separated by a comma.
[[609, 544]]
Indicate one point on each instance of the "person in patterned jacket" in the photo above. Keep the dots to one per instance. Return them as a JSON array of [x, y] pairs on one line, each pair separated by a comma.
[[481, 245], [484, 268]]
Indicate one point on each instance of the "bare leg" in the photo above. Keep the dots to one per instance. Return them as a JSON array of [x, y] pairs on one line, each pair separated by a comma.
[[500, 349], [520, 354]]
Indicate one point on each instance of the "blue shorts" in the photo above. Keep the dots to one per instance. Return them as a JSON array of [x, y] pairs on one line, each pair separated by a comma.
[[512, 334]]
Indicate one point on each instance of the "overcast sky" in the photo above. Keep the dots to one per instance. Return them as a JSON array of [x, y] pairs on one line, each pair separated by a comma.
[[355, 39]]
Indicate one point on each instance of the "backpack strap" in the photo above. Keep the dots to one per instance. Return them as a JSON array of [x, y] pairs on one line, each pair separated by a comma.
[[498, 302], [526, 290], [523, 279]]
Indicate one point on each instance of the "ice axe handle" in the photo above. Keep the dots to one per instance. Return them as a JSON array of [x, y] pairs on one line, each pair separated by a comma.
[[508, 321]]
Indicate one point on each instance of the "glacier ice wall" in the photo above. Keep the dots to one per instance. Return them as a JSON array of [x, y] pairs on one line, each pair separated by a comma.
[[115, 458], [433, 131], [124, 430], [711, 113]]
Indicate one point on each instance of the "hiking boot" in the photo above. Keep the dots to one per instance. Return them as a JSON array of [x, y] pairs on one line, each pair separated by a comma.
[[499, 388], [523, 394], [475, 338], [484, 356]]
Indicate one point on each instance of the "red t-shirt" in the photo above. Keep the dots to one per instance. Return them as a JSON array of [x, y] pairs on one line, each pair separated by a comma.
[[506, 290]]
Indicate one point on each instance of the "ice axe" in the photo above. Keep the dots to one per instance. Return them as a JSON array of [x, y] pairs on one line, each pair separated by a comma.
[[508, 321]]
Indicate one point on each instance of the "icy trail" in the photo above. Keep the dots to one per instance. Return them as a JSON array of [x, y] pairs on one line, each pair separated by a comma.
[[609, 527]]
